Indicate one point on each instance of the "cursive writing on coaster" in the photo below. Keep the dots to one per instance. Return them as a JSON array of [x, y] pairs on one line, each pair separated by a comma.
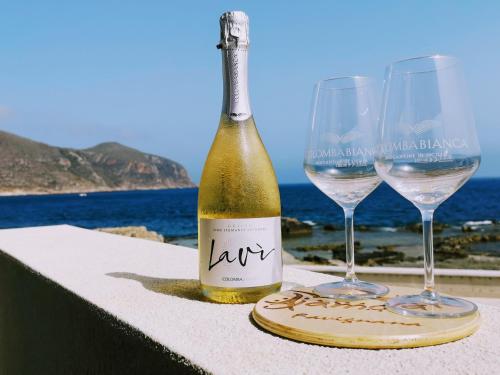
[[351, 320], [314, 300], [303, 315]]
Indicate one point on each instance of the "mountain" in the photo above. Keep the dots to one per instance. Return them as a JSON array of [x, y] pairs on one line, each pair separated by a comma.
[[29, 167]]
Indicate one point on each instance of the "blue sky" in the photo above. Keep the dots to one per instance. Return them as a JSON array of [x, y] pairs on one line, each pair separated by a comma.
[[147, 73]]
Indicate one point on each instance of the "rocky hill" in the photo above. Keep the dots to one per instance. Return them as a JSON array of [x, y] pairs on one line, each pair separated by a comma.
[[29, 167]]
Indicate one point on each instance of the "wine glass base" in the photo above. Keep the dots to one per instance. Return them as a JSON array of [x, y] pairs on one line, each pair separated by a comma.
[[351, 290], [421, 306]]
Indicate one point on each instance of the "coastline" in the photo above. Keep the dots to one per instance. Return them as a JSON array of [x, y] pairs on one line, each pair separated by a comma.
[[469, 246], [22, 193], [25, 193], [387, 226]]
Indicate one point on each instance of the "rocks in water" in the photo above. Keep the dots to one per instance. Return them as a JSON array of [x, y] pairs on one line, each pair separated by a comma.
[[459, 247], [452, 247], [454, 251], [464, 240], [387, 248], [337, 249], [439, 227], [414, 227], [385, 254], [487, 238], [446, 252], [316, 259], [294, 227], [360, 228], [417, 227], [136, 232], [328, 246]]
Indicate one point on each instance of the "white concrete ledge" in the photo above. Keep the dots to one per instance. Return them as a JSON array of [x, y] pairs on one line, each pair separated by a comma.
[[78, 301]]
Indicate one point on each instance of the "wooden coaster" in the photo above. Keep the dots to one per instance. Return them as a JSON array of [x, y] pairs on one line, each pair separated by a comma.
[[302, 315]]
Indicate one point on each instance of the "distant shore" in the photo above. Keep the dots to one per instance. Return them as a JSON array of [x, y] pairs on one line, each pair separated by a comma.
[[23, 193]]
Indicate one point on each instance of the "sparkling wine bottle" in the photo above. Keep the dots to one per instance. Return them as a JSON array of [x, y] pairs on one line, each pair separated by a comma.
[[239, 225]]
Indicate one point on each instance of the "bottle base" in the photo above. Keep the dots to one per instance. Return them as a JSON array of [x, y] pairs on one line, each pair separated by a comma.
[[238, 295]]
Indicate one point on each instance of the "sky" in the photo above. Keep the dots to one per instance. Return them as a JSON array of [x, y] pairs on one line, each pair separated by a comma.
[[147, 73]]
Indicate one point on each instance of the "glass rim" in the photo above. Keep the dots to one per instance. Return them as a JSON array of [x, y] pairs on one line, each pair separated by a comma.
[[357, 81], [452, 61]]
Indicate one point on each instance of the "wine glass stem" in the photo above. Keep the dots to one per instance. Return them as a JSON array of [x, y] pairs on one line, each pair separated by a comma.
[[427, 216], [349, 244]]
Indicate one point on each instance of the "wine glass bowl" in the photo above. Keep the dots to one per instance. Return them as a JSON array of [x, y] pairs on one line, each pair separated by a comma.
[[427, 150], [427, 184], [339, 161]]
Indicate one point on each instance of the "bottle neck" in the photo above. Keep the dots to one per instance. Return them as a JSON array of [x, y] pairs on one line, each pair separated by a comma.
[[236, 102]]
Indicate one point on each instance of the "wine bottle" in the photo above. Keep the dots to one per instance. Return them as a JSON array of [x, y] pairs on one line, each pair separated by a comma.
[[239, 224]]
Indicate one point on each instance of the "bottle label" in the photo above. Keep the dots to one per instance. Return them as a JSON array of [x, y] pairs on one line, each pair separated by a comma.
[[240, 253]]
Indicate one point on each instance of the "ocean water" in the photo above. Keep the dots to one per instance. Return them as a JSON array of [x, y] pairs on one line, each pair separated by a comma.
[[173, 212]]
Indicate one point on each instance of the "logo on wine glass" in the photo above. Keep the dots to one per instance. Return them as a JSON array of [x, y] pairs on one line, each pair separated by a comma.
[[423, 127], [348, 137]]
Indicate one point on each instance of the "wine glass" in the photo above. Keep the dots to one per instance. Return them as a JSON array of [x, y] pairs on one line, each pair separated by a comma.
[[339, 161], [428, 149]]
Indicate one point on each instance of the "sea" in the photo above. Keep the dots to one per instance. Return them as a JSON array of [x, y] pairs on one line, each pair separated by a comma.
[[173, 212]]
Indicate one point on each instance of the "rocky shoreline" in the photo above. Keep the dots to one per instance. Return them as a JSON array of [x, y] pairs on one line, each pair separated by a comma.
[[22, 193], [134, 232], [473, 245]]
